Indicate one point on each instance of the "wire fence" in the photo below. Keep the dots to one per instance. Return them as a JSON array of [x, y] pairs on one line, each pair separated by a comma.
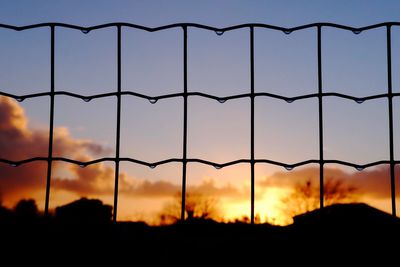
[[185, 95]]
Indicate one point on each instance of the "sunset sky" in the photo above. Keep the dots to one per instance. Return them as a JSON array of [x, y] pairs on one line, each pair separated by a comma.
[[219, 65]]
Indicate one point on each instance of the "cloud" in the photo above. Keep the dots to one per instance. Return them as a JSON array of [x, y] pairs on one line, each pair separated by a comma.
[[97, 179], [165, 188], [372, 182], [147, 188], [18, 141], [208, 187]]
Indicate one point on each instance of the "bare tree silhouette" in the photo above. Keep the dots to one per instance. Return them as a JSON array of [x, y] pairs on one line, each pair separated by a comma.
[[305, 196], [197, 206]]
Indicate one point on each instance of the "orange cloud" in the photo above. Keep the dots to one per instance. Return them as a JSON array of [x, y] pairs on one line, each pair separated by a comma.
[[165, 189], [373, 182], [96, 179], [18, 141]]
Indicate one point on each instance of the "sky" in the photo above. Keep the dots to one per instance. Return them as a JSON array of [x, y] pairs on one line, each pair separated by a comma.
[[218, 65]]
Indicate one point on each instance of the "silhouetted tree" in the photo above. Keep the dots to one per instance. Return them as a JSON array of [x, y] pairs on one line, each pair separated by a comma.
[[26, 209], [306, 196], [197, 206], [5, 214], [84, 211]]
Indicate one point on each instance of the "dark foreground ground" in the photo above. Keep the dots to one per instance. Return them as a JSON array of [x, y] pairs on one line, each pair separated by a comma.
[[316, 238]]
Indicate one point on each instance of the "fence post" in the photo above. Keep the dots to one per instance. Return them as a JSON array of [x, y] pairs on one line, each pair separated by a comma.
[[184, 145], [320, 123], [51, 122], [117, 142], [390, 111], [252, 162]]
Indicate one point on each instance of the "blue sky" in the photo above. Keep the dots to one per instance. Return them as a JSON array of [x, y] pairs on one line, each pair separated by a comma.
[[152, 64], [219, 13]]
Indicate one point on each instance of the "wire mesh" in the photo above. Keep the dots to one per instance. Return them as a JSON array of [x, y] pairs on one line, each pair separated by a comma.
[[185, 95]]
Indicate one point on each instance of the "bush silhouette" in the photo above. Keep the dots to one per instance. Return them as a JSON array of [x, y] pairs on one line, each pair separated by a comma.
[[84, 211], [5, 214], [26, 209]]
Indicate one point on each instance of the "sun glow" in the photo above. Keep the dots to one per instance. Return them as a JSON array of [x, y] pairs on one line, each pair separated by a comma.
[[268, 208]]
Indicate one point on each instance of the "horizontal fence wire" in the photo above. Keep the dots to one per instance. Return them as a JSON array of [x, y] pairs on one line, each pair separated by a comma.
[[201, 26], [287, 166], [222, 99]]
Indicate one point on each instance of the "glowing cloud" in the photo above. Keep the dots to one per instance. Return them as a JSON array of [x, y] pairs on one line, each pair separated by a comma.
[[18, 141], [373, 182]]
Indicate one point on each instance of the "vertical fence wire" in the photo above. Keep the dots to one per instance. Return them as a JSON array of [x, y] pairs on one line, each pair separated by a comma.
[[252, 162], [390, 111], [320, 120], [51, 121], [185, 106], [118, 133]]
